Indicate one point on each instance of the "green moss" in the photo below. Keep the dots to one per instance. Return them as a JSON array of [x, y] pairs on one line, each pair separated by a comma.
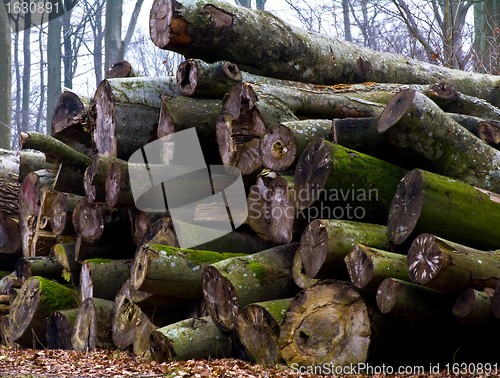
[[56, 296], [258, 270], [196, 256], [99, 261]]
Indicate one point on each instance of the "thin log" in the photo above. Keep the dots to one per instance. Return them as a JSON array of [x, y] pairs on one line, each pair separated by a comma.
[[231, 284], [258, 326], [473, 308], [413, 302], [126, 113], [413, 121], [428, 202], [59, 328], [326, 242], [212, 31], [37, 299], [44, 266], [92, 327], [368, 267], [451, 267], [61, 213], [174, 342], [103, 278]]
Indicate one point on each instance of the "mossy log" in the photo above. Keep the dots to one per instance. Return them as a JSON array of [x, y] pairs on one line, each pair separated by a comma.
[[102, 278], [473, 308], [413, 121], [71, 121], [175, 341], [411, 301], [36, 300], [92, 327], [180, 113], [450, 267], [368, 267], [215, 30], [231, 284], [126, 113], [271, 208], [344, 184], [44, 266], [258, 327], [59, 328], [172, 271], [326, 242], [428, 202], [282, 145], [196, 78], [299, 275]]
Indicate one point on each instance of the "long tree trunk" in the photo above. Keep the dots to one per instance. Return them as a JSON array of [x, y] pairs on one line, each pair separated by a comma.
[[6, 86], [212, 30]]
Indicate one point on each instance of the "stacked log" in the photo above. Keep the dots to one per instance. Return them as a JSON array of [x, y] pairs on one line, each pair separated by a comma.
[[373, 211]]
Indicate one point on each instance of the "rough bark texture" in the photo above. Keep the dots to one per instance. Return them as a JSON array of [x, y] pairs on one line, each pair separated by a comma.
[[102, 278], [212, 30], [59, 328], [427, 202], [93, 325], [412, 121]]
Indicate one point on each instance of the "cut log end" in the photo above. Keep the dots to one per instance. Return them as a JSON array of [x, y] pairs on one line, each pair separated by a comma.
[[24, 308], [220, 298], [165, 28], [405, 208], [443, 92], [59, 213], [58, 333], [104, 132], [425, 259], [465, 303], [278, 148], [140, 267], [84, 335], [311, 172], [88, 221], [112, 185], [120, 69], [300, 278], [360, 267], [314, 247], [387, 295], [69, 110], [395, 109], [161, 348]]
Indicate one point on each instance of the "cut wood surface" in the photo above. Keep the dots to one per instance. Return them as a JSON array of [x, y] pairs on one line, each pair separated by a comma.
[[244, 37], [301, 279], [428, 202], [473, 308], [93, 325], [59, 328]]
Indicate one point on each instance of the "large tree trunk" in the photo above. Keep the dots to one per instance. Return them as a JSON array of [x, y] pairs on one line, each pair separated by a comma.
[[412, 121], [212, 30], [231, 284], [427, 202]]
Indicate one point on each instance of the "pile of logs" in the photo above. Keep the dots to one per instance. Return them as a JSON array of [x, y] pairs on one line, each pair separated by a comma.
[[373, 228]]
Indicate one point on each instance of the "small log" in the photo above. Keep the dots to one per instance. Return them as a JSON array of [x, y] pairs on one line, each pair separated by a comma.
[[174, 342], [450, 267], [70, 121], [427, 202], [413, 302], [282, 144], [92, 327], [299, 275], [231, 284], [413, 121], [326, 242], [473, 308], [61, 213], [44, 266], [120, 69], [10, 241], [37, 299], [126, 113], [142, 332], [102, 278], [171, 271], [195, 78], [368, 267], [59, 328], [258, 326]]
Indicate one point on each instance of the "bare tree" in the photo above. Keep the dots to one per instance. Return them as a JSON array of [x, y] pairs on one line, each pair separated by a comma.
[[26, 79], [54, 65], [487, 36], [5, 85]]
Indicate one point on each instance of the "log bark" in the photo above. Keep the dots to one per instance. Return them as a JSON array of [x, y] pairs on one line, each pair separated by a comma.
[[427, 202], [68, 180], [44, 266], [37, 299], [142, 333], [92, 327], [70, 121], [31, 162], [9, 185], [59, 328], [368, 267], [473, 308], [282, 145], [326, 242], [413, 302], [173, 342], [103, 278], [126, 113], [181, 113], [413, 121], [258, 326], [196, 78], [212, 31], [344, 184], [299, 275], [231, 284], [450, 267], [171, 271]]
